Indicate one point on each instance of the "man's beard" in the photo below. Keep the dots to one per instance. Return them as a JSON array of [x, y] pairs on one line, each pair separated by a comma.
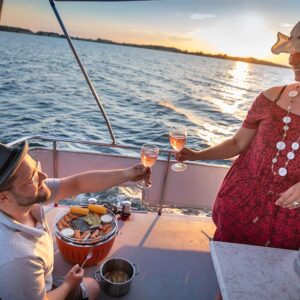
[[41, 197]]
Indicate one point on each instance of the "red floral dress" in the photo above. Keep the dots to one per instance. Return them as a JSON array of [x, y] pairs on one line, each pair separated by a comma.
[[244, 210]]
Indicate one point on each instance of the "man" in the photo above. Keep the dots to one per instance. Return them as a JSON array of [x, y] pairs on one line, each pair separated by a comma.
[[26, 247]]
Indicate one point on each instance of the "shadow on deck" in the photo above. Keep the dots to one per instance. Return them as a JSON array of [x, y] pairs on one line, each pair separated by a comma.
[[171, 252]]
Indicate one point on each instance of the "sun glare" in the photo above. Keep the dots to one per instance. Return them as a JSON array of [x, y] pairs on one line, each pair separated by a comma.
[[253, 38], [245, 35], [240, 72], [233, 92]]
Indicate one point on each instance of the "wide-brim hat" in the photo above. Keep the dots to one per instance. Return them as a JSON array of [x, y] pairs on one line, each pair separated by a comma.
[[10, 160], [288, 44]]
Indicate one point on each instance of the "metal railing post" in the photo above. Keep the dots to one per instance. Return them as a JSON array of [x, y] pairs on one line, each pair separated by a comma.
[[162, 195], [55, 160]]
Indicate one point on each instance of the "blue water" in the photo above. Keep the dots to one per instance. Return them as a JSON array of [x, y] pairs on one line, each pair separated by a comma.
[[144, 92]]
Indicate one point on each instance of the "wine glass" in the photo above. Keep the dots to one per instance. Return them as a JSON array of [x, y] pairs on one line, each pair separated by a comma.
[[149, 154], [177, 137]]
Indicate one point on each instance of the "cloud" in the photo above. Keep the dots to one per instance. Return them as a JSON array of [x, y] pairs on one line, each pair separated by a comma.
[[201, 16], [287, 25], [180, 39]]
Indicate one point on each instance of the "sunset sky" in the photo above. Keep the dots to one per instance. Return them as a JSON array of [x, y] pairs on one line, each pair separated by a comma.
[[236, 27]]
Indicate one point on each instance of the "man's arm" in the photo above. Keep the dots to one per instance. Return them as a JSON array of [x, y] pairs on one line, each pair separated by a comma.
[[96, 181], [73, 279], [59, 293]]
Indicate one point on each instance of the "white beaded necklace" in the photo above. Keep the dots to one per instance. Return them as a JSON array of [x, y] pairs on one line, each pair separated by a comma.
[[281, 145]]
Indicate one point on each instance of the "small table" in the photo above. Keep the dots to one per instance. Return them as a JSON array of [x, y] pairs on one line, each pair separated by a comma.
[[252, 272]]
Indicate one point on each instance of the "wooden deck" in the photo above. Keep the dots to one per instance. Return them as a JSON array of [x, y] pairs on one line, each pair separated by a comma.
[[170, 250]]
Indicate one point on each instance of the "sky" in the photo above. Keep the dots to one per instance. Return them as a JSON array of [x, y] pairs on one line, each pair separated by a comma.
[[246, 28]]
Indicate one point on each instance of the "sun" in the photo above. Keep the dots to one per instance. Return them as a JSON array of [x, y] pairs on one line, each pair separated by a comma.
[[252, 37], [246, 35]]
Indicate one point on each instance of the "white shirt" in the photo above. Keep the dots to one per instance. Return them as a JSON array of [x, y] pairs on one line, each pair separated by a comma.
[[26, 254]]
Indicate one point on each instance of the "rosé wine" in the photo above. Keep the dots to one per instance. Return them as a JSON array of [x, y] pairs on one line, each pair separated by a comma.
[[177, 141]]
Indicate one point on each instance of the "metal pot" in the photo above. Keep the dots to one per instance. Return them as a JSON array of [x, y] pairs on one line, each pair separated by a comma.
[[116, 264]]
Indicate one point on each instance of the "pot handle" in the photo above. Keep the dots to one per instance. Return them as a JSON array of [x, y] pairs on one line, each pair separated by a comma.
[[100, 280], [136, 269]]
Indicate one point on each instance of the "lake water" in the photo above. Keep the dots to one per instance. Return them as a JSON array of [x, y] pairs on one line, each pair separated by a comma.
[[144, 92]]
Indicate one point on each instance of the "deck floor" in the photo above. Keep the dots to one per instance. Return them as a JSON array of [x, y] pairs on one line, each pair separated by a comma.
[[171, 252]]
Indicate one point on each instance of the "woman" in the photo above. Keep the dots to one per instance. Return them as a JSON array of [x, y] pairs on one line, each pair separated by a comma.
[[258, 202]]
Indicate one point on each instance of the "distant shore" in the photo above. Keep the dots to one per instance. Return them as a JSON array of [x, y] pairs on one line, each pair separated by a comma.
[[251, 60]]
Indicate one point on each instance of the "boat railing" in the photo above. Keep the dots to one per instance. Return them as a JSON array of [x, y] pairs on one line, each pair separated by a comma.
[[194, 188]]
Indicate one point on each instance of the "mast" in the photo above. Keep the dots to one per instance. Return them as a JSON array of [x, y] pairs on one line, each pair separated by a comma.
[[1, 4], [86, 76]]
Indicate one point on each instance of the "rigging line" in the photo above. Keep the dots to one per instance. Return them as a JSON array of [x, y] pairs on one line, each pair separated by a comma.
[[1, 4], [83, 70]]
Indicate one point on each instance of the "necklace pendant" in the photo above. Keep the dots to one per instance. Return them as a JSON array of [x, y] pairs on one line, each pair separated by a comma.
[[282, 172], [286, 119], [293, 94], [280, 145], [295, 146], [274, 160], [291, 155]]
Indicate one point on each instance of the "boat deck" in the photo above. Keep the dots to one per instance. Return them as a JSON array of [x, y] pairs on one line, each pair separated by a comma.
[[172, 254]]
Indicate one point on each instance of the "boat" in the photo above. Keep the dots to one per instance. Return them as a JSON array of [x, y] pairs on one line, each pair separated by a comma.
[[173, 252]]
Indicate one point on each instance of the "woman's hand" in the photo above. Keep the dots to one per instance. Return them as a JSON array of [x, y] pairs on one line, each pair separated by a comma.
[[74, 277], [186, 154], [290, 198]]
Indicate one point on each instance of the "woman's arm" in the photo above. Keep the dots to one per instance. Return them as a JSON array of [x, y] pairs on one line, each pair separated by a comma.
[[227, 149]]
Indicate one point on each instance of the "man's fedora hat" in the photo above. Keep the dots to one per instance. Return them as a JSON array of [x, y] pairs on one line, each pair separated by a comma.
[[10, 160], [288, 44]]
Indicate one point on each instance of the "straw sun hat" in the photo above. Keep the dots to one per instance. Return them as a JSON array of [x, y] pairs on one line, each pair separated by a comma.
[[288, 44]]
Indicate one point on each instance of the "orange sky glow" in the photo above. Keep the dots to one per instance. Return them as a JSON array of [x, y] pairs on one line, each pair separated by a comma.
[[240, 33]]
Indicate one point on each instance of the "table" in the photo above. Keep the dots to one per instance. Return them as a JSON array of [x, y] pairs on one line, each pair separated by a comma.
[[251, 272]]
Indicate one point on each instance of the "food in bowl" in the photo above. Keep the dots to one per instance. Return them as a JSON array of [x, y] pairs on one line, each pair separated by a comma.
[[68, 232], [116, 276], [92, 219], [106, 219], [84, 224]]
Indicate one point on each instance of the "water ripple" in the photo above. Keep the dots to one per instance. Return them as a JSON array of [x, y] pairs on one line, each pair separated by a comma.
[[144, 92]]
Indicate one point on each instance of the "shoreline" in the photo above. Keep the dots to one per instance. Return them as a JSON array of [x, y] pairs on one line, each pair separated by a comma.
[[250, 60]]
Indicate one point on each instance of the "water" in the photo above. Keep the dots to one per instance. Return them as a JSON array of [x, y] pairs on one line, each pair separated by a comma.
[[144, 92]]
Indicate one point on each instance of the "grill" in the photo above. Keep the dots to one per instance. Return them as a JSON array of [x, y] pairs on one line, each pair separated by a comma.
[[75, 252]]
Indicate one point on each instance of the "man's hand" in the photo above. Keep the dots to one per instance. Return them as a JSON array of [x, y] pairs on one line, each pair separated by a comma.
[[290, 198], [74, 277], [139, 172], [186, 154]]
